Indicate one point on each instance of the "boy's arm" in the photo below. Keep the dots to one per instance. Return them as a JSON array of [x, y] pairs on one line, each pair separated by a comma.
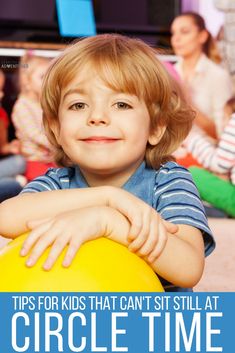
[[182, 260], [39, 205], [16, 212]]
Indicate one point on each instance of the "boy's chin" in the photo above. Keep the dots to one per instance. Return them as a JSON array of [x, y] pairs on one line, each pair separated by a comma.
[[101, 169]]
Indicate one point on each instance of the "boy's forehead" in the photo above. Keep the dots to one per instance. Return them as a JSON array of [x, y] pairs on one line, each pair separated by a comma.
[[106, 74], [81, 78], [85, 86], [84, 76]]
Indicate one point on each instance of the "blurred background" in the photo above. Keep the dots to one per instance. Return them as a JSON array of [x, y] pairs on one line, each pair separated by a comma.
[[53, 20], [48, 25]]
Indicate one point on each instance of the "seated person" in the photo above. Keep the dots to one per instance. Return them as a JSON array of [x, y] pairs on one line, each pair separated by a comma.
[[12, 164], [216, 156], [27, 116]]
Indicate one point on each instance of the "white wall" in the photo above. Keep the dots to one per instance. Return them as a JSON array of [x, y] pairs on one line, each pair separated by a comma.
[[213, 17], [190, 5]]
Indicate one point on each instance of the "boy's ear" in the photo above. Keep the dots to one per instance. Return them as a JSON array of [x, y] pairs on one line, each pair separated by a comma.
[[156, 135]]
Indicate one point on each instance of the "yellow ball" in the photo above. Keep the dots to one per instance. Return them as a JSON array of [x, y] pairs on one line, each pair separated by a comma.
[[100, 265]]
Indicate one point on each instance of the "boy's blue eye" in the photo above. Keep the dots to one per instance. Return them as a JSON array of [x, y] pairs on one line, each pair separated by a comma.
[[123, 105], [77, 106]]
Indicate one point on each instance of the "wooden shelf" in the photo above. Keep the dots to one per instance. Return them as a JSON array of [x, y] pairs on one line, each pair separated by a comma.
[[31, 45], [17, 49]]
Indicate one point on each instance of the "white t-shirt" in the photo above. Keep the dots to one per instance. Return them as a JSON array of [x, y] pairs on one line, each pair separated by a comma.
[[210, 87]]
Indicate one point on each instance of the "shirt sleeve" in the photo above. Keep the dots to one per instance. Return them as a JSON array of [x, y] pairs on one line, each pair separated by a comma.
[[50, 181], [178, 201]]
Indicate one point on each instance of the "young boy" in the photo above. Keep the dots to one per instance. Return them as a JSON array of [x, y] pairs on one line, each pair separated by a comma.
[[114, 116]]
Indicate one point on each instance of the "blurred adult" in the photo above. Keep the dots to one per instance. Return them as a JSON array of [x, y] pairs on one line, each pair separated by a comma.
[[207, 84]]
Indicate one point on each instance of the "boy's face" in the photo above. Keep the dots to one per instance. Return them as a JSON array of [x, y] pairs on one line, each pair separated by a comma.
[[103, 131]]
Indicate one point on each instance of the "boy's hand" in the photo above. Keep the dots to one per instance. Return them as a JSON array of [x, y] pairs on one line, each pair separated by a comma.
[[142, 217], [151, 245], [72, 228]]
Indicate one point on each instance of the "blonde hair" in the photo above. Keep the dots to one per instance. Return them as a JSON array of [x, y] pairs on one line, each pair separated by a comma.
[[125, 65]]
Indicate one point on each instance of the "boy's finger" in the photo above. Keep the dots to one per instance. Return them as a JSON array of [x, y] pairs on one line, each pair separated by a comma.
[[135, 229], [141, 227], [55, 251], [70, 254], [151, 241], [139, 241], [170, 227], [161, 243], [39, 248], [32, 238]]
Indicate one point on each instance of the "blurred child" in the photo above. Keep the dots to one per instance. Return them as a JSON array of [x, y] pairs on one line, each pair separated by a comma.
[[11, 162], [27, 115], [216, 156], [114, 116]]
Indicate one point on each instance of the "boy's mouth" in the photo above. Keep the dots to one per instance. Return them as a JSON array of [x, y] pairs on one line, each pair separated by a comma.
[[99, 139]]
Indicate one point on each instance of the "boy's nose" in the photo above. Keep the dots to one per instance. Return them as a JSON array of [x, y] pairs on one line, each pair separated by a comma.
[[98, 118]]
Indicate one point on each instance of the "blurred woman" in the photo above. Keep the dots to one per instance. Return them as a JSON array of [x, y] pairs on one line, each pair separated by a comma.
[[208, 85]]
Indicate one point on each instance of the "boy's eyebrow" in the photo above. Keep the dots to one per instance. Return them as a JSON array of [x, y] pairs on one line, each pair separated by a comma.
[[72, 91]]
